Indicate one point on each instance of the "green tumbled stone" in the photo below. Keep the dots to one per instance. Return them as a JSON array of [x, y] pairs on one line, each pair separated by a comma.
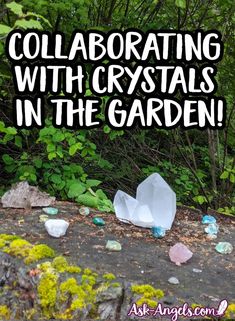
[[50, 210], [98, 221], [113, 246], [224, 248]]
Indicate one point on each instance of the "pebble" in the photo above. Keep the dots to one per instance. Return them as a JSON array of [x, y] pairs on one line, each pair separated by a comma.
[[208, 219], [43, 218], [212, 229], [173, 280], [224, 248], [197, 270], [98, 221], [84, 211], [158, 232], [113, 246], [50, 210], [211, 237]]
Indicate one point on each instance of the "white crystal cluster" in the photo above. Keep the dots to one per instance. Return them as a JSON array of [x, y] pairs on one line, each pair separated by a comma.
[[154, 205]]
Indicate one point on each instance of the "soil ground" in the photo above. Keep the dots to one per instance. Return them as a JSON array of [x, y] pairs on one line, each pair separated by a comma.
[[143, 258]]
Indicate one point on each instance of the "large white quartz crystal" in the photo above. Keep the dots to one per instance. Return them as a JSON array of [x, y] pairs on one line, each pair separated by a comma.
[[155, 204], [56, 228]]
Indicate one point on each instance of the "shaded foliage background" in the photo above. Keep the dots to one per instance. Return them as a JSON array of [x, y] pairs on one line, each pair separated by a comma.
[[199, 165]]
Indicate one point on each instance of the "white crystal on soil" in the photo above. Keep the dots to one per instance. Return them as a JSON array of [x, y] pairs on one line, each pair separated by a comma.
[[56, 228], [155, 204]]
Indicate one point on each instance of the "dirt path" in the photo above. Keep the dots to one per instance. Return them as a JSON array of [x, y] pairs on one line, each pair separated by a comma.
[[143, 259]]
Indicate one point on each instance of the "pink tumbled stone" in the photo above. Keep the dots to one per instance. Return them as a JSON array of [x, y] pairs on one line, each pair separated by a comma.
[[179, 253]]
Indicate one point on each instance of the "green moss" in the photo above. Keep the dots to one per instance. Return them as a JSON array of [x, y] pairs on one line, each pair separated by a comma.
[[47, 292], [4, 313], [60, 264], [89, 279], [109, 276], [2, 243], [8, 237], [46, 267], [149, 302], [230, 312], [148, 293], [19, 248], [115, 285], [73, 269], [147, 290], [81, 294], [38, 252], [87, 271]]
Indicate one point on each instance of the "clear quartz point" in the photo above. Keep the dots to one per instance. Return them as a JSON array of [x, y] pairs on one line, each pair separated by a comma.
[[155, 204]]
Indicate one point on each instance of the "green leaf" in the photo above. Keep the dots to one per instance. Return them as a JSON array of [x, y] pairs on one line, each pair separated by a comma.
[[55, 178], [51, 155], [4, 30], [58, 137], [11, 131], [92, 183], [88, 200], [76, 189], [105, 206], [28, 24], [180, 4], [101, 194], [224, 175], [18, 141], [16, 8], [8, 160], [106, 129], [73, 149], [232, 178], [50, 148], [38, 163]]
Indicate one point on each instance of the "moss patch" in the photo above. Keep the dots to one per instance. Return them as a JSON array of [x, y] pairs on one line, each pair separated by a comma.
[[148, 294], [4, 313]]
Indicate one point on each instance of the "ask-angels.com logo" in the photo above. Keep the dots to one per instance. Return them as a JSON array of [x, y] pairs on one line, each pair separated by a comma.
[[180, 311]]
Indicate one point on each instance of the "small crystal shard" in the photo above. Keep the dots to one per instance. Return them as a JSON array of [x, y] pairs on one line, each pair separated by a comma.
[[155, 204], [113, 246], [208, 219], [158, 232], [56, 228], [179, 253], [173, 280], [84, 211], [224, 248], [50, 210], [98, 221], [22, 195], [212, 229]]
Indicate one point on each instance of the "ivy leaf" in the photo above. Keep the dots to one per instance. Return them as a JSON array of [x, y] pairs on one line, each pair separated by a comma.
[[16, 8], [4, 30], [76, 189], [180, 4], [28, 24]]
